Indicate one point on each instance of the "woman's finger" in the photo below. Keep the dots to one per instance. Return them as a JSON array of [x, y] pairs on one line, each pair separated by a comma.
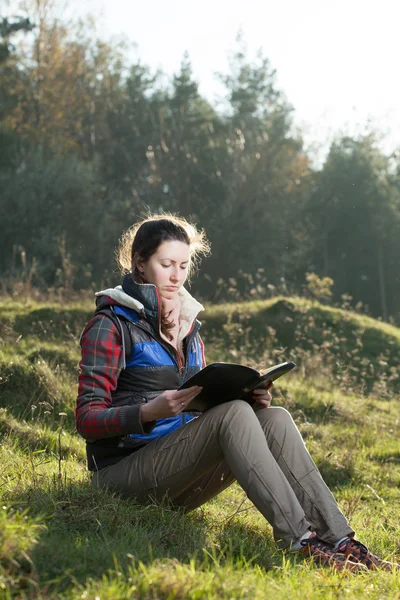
[[265, 395], [181, 394], [267, 403], [189, 394], [264, 403]]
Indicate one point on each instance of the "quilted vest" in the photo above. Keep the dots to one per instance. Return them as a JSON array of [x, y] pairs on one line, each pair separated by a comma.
[[152, 366]]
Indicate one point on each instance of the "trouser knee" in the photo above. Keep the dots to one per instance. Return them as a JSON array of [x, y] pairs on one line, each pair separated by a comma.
[[276, 418], [234, 407], [234, 415]]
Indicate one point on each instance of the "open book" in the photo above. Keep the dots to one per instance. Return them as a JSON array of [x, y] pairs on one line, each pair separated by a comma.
[[223, 382]]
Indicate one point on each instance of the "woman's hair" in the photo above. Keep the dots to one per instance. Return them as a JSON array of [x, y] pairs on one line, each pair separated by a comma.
[[142, 240]]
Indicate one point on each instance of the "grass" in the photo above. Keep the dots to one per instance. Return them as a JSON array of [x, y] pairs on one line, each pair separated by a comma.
[[355, 350], [61, 538]]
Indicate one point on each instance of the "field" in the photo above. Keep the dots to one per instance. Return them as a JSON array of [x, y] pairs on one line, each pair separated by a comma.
[[59, 538]]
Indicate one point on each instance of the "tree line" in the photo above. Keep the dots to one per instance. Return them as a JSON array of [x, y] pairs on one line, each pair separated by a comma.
[[89, 139]]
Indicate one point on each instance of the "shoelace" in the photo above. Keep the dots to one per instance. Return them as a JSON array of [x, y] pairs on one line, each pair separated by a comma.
[[313, 541], [363, 549]]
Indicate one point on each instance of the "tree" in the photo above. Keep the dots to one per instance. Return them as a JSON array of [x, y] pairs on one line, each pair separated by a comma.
[[9, 73], [264, 172], [354, 213], [8, 27]]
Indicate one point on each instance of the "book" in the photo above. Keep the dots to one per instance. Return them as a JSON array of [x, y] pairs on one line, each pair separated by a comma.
[[222, 382]]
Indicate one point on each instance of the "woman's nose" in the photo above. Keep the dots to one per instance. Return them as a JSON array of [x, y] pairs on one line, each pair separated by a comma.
[[175, 275]]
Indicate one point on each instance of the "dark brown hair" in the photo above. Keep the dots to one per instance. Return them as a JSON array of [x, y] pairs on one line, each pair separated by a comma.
[[142, 240]]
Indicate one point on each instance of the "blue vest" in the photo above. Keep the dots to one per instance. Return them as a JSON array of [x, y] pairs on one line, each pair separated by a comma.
[[156, 365]]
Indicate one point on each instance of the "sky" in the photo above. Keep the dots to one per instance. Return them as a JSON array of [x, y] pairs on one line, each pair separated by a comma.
[[337, 62]]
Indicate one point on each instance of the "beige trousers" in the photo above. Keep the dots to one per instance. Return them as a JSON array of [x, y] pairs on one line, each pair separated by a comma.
[[263, 450]]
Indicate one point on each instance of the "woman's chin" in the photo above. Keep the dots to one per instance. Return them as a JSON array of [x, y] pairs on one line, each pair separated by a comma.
[[169, 294]]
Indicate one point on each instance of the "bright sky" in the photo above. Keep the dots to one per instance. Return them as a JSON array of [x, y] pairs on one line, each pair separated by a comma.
[[336, 61]]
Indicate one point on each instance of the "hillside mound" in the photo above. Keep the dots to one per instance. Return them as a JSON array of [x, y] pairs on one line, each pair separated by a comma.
[[356, 349]]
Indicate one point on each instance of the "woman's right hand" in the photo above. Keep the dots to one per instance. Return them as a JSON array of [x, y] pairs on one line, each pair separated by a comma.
[[168, 404]]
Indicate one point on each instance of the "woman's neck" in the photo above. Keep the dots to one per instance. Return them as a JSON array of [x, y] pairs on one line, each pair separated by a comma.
[[171, 308]]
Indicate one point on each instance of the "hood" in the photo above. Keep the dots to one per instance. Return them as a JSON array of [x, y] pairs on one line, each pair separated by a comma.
[[144, 298], [117, 295]]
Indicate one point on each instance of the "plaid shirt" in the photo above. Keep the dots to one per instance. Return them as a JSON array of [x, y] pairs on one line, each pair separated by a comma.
[[100, 366]]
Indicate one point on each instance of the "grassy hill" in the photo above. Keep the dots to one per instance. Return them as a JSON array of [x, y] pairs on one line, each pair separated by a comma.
[[59, 538]]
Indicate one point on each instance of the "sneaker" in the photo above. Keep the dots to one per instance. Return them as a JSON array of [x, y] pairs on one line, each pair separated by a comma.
[[357, 552], [325, 554]]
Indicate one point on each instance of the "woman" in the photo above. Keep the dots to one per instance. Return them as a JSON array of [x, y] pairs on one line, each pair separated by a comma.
[[141, 345]]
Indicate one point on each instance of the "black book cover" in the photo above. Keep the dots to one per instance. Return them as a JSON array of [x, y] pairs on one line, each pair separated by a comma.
[[222, 382]]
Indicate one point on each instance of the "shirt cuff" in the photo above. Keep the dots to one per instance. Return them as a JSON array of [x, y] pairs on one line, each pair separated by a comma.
[[130, 421]]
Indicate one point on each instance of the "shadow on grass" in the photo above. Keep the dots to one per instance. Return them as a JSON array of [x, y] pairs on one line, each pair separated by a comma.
[[89, 531], [320, 413], [390, 457], [314, 411], [246, 542], [338, 475]]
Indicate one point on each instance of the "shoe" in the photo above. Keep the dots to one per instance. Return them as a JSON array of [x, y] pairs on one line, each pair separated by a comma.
[[325, 554], [357, 552]]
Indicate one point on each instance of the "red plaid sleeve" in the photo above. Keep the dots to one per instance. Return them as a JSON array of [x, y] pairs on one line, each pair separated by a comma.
[[100, 366]]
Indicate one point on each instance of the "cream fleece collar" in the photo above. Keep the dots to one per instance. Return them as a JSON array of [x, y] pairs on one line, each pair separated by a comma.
[[190, 307]]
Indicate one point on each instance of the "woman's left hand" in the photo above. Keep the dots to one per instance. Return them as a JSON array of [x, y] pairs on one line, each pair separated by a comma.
[[263, 397]]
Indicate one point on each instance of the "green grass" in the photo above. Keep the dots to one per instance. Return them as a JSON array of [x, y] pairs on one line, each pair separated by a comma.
[[354, 349], [61, 538]]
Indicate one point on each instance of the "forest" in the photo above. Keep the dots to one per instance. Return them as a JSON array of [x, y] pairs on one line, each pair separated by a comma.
[[90, 140]]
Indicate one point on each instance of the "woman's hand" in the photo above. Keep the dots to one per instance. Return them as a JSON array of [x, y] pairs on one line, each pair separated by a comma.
[[262, 397], [168, 404]]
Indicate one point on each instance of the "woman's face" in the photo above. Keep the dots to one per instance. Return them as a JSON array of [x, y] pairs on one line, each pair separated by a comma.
[[167, 268]]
